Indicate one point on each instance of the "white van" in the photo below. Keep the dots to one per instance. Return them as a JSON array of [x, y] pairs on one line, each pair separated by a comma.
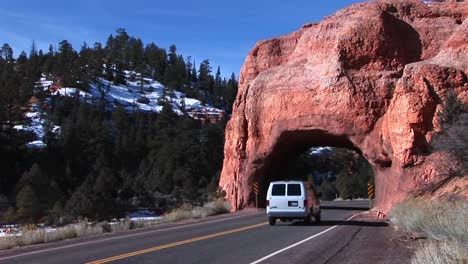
[[288, 200]]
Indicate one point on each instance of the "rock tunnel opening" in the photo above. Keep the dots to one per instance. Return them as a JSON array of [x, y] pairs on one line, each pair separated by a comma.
[[319, 157]]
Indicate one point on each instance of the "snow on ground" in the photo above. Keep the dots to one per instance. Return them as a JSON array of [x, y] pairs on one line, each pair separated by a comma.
[[44, 83], [9, 231], [145, 218], [132, 96], [68, 91], [143, 215], [35, 121]]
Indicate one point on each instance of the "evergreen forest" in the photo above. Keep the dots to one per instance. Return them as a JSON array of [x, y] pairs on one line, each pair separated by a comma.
[[106, 160]]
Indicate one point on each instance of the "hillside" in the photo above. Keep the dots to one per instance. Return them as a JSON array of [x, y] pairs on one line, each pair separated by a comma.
[[107, 129], [147, 95]]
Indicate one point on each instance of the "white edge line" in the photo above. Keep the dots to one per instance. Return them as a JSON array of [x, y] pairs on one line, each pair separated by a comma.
[[120, 237], [300, 242]]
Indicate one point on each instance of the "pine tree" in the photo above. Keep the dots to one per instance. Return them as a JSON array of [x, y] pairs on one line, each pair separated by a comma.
[[10, 216], [7, 52], [119, 76], [204, 75], [27, 204], [57, 213], [194, 73], [231, 92], [65, 63]]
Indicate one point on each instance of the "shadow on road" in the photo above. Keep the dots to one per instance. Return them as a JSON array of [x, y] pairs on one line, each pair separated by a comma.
[[327, 207], [340, 222]]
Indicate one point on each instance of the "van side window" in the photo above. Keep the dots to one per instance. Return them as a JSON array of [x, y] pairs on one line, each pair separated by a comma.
[[294, 190], [278, 190]]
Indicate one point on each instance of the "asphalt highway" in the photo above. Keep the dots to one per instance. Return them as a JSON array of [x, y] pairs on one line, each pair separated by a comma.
[[243, 237]]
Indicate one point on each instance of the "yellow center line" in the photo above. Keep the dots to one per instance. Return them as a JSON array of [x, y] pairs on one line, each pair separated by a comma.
[[174, 244]]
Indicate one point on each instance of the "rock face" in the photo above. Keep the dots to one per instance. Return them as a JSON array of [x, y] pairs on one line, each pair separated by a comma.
[[371, 78]]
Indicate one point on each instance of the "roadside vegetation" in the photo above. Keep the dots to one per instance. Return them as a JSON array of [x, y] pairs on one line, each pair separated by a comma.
[[31, 234], [442, 227]]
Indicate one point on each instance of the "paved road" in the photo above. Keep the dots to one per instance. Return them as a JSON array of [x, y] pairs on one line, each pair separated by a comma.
[[240, 238]]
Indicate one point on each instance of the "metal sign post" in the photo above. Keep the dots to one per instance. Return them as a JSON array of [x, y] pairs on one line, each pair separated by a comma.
[[255, 189], [370, 193]]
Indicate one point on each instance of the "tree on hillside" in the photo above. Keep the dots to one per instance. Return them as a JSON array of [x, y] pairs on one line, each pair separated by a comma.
[[231, 92], [65, 64], [27, 204], [204, 76], [136, 55], [105, 159], [10, 99], [156, 58], [6, 52]]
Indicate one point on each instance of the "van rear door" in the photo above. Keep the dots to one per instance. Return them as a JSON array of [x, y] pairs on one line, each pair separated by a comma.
[[278, 198], [294, 194]]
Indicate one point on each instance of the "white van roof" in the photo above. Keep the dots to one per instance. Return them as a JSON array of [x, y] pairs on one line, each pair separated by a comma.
[[287, 182]]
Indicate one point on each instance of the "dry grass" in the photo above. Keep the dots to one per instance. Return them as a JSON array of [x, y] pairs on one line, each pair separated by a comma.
[[60, 234], [433, 219], [144, 223], [7, 243], [30, 234], [437, 252], [219, 206], [444, 223], [85, 228], [187, 211], [182, 213]]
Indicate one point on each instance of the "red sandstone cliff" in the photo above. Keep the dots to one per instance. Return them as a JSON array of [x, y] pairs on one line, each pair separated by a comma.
[[370, 77]]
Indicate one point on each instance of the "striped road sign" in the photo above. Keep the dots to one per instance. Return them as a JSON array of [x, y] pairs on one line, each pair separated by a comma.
[[370, 190], [255, 187]]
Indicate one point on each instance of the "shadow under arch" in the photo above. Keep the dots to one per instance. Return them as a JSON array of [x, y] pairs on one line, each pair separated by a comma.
[[289, 145]]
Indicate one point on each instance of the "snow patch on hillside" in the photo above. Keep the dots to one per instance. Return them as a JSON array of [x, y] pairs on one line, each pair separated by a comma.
[[69, 91], [144, 94], [35, 123]]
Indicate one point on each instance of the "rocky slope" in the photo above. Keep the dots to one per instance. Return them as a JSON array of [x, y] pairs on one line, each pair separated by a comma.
[[372, 78]]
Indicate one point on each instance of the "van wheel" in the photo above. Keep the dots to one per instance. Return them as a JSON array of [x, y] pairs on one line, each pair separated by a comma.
[[272, 220]]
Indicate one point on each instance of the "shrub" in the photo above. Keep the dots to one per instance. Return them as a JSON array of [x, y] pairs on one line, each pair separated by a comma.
[[186, 211], [31, 237], [436, 252], [409, 215], [182, 213], [434, 219], [451, 108], [7, 243], [63, 233], [120, 226], [143, 100], [444, 223], [84, 228], [218, 206]]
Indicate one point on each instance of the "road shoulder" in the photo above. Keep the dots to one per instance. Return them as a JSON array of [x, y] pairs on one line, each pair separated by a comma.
[[363, 239], [373, 241]]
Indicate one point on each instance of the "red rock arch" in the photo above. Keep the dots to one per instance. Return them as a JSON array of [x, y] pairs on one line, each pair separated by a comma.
[[370, 77]]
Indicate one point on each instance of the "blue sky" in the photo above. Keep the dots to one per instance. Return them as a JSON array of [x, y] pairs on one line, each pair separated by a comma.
[[220, 31]]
